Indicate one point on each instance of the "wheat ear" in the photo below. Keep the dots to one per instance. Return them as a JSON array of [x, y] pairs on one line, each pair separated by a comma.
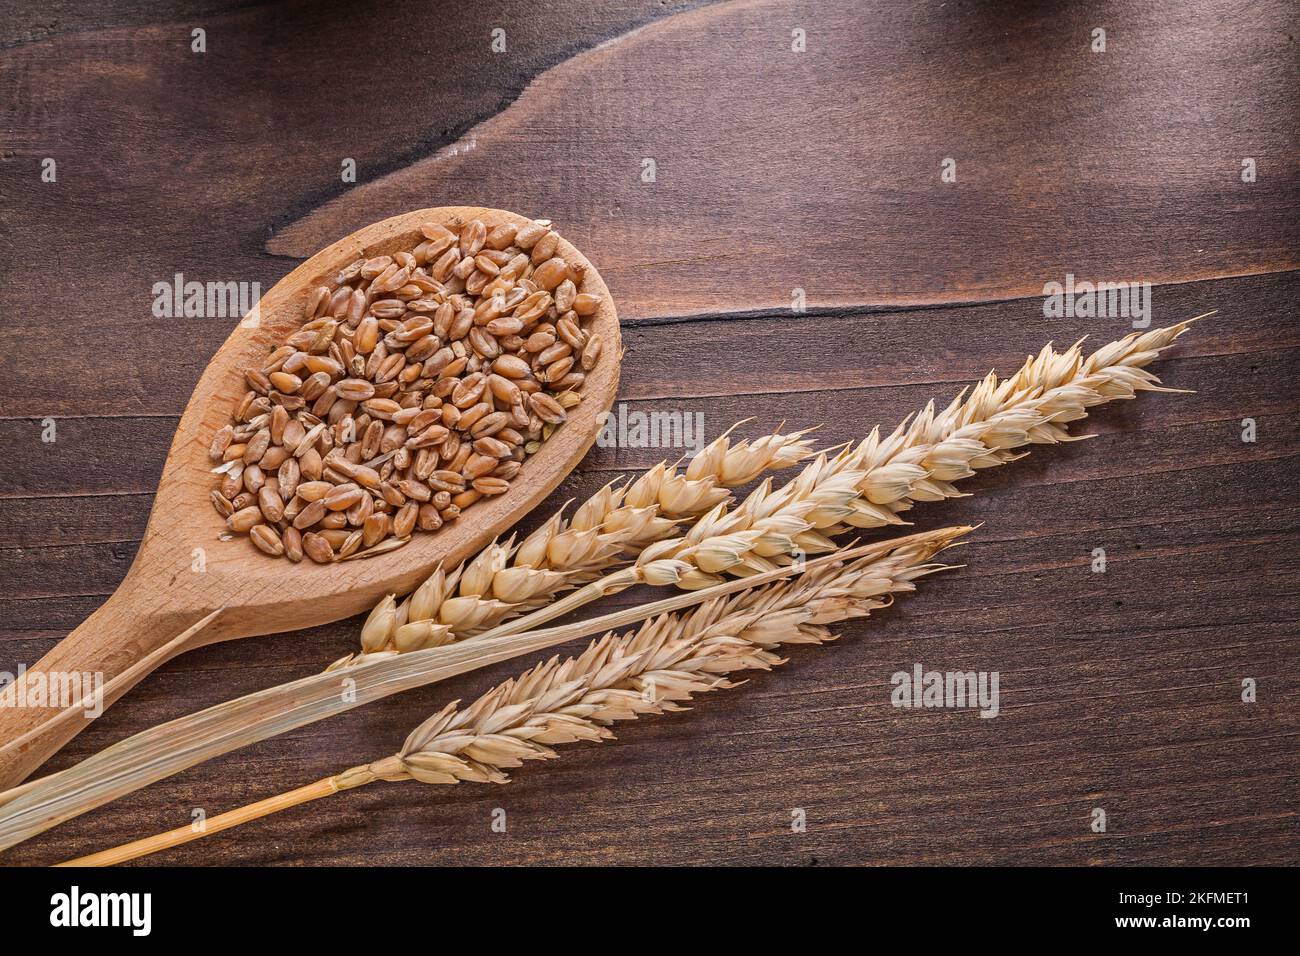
[[652, 670], [864, 486], [506, 580], [870, 484]]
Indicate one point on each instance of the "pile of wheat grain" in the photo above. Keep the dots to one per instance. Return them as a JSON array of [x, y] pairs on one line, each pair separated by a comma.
[[416, 386]]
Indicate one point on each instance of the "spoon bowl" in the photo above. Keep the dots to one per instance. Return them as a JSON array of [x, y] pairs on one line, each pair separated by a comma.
[[188, 588]]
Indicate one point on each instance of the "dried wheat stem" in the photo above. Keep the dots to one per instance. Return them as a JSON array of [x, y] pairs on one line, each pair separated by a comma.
[[162, 841], [123, 680], [652, 670]]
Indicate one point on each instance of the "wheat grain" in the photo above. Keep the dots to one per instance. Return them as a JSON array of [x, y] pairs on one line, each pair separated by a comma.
[[667, 661]]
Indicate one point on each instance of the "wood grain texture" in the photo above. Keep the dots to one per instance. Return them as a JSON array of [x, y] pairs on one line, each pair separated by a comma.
[[820, 170], [1119, 690]]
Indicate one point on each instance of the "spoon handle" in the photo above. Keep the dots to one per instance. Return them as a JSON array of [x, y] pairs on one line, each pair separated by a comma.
[[109, 653]]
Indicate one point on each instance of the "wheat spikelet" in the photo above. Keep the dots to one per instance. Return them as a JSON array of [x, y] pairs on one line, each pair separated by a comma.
[[505, 580]]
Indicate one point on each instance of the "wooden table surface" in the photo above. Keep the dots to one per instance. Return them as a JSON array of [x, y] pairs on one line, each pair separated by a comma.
[[775, 170]]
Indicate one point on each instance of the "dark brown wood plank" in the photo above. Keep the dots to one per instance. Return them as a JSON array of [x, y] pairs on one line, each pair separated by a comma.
[[821, 170], [1119, 690], [836, 365], [1133, 195]]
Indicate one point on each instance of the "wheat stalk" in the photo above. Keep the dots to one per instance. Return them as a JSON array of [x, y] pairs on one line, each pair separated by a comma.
[[652, 670], [176, 745], [1031, 406]]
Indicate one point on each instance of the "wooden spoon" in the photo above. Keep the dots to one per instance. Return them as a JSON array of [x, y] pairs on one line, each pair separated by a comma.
[[165, 606]]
